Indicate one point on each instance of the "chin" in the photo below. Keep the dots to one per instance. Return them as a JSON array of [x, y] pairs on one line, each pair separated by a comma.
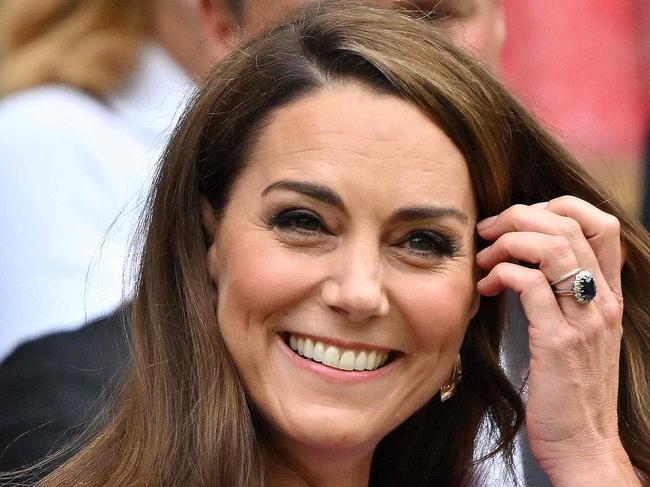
[[332, 430]]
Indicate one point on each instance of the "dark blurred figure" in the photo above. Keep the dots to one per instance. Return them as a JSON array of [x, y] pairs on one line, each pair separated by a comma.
[[53, 388]]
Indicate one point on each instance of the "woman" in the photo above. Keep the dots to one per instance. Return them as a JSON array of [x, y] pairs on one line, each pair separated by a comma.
[[309, 286]]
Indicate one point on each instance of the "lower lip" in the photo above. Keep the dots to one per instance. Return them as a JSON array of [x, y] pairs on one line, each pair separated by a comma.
[[335, 375]]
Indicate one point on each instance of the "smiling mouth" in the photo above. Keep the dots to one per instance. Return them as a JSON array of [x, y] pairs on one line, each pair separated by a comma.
[[337, 357]]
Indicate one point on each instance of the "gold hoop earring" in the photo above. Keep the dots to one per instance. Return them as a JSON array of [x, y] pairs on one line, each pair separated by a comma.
[[448, 390]]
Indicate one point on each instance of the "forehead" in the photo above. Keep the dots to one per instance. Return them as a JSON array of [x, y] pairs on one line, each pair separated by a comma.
[[364, 144]]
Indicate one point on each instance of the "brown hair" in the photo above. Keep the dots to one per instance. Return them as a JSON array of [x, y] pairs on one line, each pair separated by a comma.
[[184, 419]]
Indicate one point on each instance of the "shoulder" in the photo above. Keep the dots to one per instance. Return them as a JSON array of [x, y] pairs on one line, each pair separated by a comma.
[[52, 107], [99, 346], [63, 120], [59, 132], [45, 122]]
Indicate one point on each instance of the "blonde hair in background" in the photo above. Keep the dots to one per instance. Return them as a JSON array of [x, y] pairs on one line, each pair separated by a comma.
[[91, 45]]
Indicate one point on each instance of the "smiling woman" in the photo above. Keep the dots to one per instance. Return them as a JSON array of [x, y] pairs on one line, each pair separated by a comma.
[[308, 311]]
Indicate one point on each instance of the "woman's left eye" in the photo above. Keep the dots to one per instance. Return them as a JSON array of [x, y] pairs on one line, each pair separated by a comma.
[[426, 242]]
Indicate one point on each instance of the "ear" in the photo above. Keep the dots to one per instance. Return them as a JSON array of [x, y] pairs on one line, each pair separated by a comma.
[[219, 26], [208, 220]]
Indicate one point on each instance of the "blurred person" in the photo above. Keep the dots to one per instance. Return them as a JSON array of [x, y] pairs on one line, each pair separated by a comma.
[[56, 387], [88, 95], [90, 90]]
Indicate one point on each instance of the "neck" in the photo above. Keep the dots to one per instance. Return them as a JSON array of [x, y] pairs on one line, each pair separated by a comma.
[[300, 466]]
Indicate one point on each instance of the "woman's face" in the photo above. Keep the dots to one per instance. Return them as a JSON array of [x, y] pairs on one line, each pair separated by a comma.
[[344, 265]]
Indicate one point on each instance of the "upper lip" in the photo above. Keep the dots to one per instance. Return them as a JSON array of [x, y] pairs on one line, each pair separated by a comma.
[[341, 343]]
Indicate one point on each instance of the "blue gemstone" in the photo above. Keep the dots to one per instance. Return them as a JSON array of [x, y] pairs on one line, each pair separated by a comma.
[[588, 290]]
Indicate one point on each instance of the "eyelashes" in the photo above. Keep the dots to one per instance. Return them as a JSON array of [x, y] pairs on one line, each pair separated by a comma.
[[307, 225], [427, 242], [298, 221]]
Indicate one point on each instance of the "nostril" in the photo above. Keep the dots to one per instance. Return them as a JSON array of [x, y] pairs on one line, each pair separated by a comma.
[[338, 309]]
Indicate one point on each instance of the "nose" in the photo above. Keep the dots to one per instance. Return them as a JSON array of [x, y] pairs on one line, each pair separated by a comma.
[[355, 285]]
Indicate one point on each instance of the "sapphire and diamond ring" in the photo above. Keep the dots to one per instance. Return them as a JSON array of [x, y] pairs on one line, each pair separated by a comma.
[[583, 288]]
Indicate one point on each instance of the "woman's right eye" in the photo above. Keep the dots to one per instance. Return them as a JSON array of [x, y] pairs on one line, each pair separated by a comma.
[[302, 221]]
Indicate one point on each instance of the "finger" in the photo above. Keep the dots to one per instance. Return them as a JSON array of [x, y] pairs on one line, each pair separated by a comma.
[[535, 294], [523, 218], [553, 254], [602, 231]]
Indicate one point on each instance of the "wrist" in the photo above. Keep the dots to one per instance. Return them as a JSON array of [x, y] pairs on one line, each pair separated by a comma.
[[594, 470]]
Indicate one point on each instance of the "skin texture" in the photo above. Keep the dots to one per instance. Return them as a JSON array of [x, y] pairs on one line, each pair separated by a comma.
[[363, 277]]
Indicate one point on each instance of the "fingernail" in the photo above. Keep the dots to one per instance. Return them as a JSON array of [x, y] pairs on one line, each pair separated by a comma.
[[483, 224], [542, 204]]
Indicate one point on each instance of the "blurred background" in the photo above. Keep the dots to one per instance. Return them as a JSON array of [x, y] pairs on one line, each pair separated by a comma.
[[583, 67]]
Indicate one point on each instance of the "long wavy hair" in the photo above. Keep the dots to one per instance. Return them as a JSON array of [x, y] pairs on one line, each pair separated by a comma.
[[184, 418]]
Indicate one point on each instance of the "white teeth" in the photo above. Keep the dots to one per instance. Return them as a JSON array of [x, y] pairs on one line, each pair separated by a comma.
[[308, 351], [336, 357], [370, 360], [360, 362], [331, 356], [380, 356], [319, 351], [347, 360]]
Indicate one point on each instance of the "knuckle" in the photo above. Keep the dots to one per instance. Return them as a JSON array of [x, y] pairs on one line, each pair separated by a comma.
[[507, 241], [500, 270], [612, 225], [563, 200], [611, 309], [517, 213], [536, 278], [571, 228], [559, 248]]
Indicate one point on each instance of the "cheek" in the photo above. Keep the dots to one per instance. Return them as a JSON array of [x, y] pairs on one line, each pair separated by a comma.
[[439, 311], [254, 281]]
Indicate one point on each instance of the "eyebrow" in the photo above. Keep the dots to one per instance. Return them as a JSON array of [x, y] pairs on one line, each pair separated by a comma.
[[414, 213], [331, 197], [316, 191]]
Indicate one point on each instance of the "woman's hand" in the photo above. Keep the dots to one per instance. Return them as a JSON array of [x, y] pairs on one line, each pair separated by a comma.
[[571, 416]]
